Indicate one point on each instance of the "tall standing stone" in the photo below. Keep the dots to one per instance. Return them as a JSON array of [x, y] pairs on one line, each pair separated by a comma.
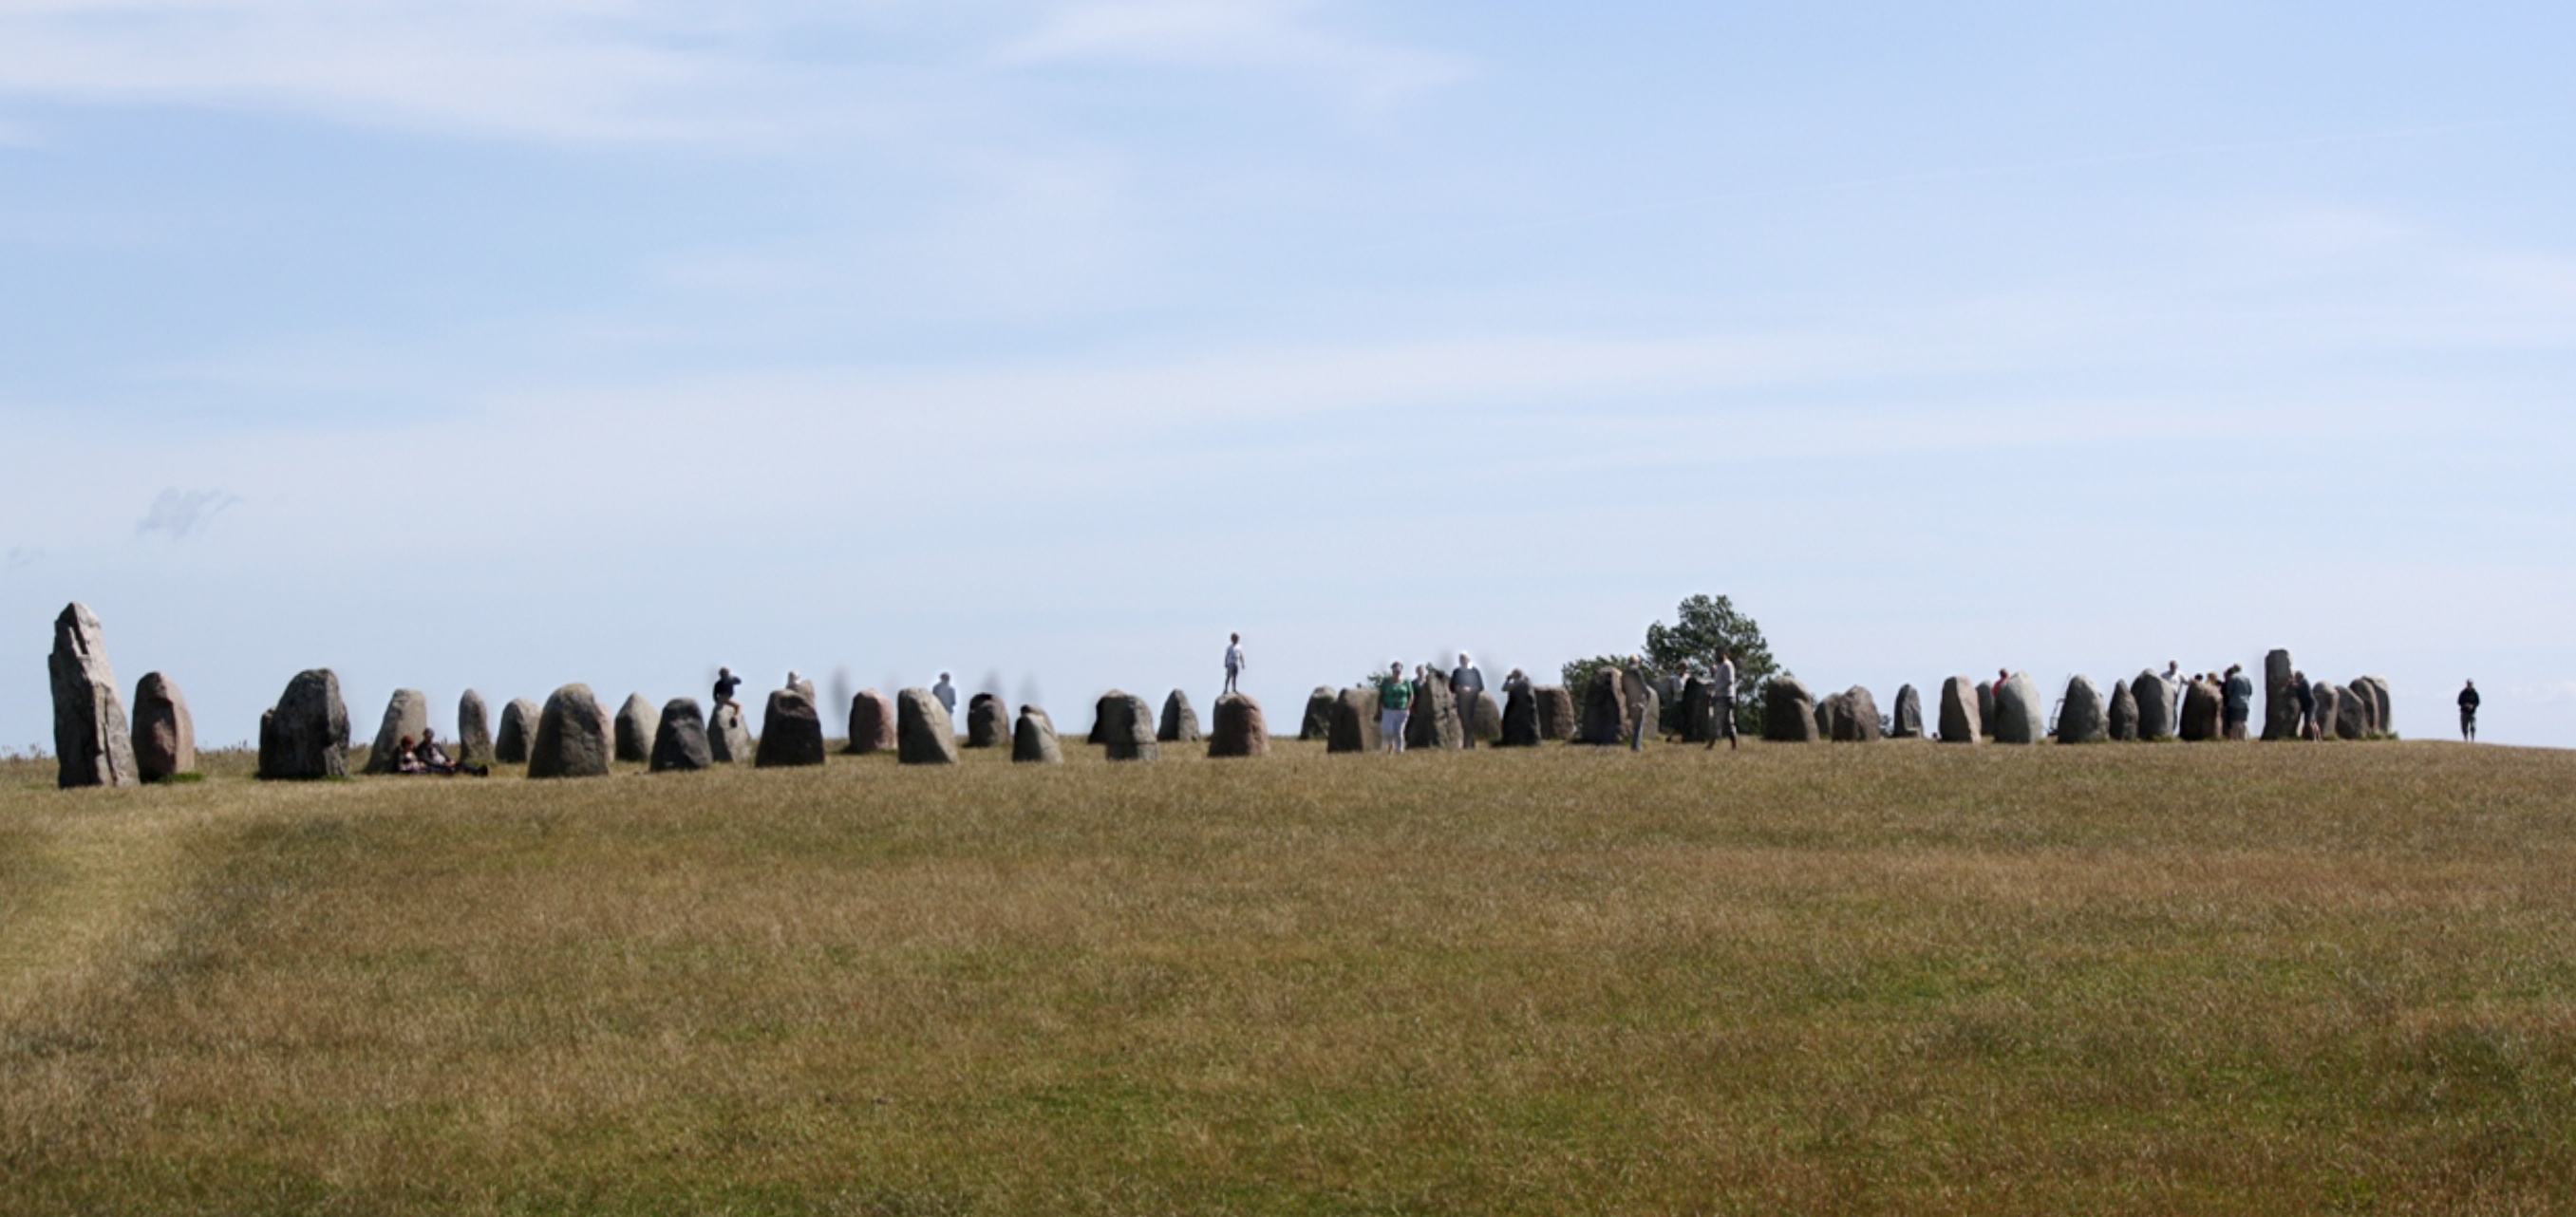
[[923, 732], [1239, 728], [406, 717], [1033, 741], [1354, 722], [2352, 712], [165, 737], [93, 744], [1788, 712], [728, 738], [1645, 709], [1854, 718], [988, 721], [1961, 721], [2280, 697], [2082, 720], [2019, 716], [2156, 712], [638, 726], [1909, 713], [1520, 718], [1986, 708], [1127, 730], [1180, 722], [2381, 724], [1483, 718], [872, 723], [572, 736], [680, 738], [2204, 709], [1318, 720], [1556, 717], [473, 730], [518, 733], [307, 735], [791, 731], [1700, 711], [2123, 720], [1434, 722], [1605, 708], [2328, 699], [1104, 715]]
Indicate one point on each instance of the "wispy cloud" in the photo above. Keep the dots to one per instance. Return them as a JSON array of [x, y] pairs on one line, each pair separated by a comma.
[[1276, 35], [183, 513], [20, 557]]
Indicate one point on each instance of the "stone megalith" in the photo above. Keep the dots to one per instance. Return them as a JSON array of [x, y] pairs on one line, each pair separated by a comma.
[[791, 731], [2280, 697], [988, 721], [923, 732], [406, 716], [1986, 708], [473, 730], [1699, 710], [1520, 719], [2156, 712], [1129, 730], [572, 736], [1239, 728], [1556, 717], [1103, 712], [518, 732], [165, 737], [680, 738], [1033, 740], [2352, 712], [1318, 721], [307, 735], [2020, 718], [1909, 713], [2325, 695], [1434, 722], [1605, 708], [2122, 721], [728, 739], [1484, 720], [638, 725], [1788, 712], [2082, 719], [871, 723], [1961, 721], [93, 744], [1180, 721], [1645, 706], [1855, 717], [2380, 722], [1825, 717], [1354, 722], [2204, 708]]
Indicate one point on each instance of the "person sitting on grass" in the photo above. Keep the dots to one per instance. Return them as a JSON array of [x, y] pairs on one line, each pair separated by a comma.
[[407, 758], [430, 758]]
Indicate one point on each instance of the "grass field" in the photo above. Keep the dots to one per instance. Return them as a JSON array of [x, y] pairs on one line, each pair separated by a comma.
[[1895, 978]]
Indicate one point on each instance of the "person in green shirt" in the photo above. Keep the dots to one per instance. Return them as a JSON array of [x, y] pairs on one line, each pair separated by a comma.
[[1394, 706]]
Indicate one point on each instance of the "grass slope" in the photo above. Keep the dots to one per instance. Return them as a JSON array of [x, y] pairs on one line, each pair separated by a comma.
[[1894, 978]]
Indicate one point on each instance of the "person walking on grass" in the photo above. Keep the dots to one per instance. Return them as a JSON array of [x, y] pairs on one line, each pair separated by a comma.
[[2469, 711], [1722, 685], [1233, 661], [2240, 700], [1394, 706], [1469, 685]]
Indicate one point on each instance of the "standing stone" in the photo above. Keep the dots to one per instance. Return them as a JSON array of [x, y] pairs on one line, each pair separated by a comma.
[[1520, 719], [473, 730], [1825, 717], [2019, 716], [1961, 721], [728, 739], [307, 735], [1180, 722], [1239, 729], [2123, 723], [2327, 698], [1788, 712], [1644, 706], [2156, 711], [1986, 708], [2204, 708], [165, 737], [1104, 714], [2352, 713], [93, 744], [572, 736], [1556, 717], [2380, 722], [1854, 719], [2280, 699], [1354, 722], [1484, 721], [1130, 730], [988, 721], [1909, 713], [406, 716], [1699, 711], [1318, 721], [791, 731], [1434, 722], [1605, 708], [518, 732], [2082, 719], [638, 726], [871, 723], [924, 734], [1033, 741], [680, 738]]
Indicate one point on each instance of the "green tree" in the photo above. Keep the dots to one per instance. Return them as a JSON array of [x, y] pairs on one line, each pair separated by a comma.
[[1690, 645]]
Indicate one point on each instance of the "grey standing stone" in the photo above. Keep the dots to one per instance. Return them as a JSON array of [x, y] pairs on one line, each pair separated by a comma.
[[1520, 719], [1854, 718], [165, 737], [93, 744], [1434, 722], [307, 735], [2084, 717], [2280, 698], [406, 716], [680, 738], [2123, 721], [1240, 730], [2352, 713], [572, 736], [728, 738], [1354, 722], [518, 733], [1033, 741], [473, 730], [872, 723], [1699, 711], [1180, 722], [638, 726], [2380, 721], [2157, 714], [923, 732], [988, 721], [1130, 730], [1825, 717], [1318, 720], [1484, 721], [791, 731], [1961, 721], [1644, 705], [1605, 709], [1986, 708], [1788, 712], [2019, 716], [1104, 713], [1909, 713], [2328, 699], [2204, 710], [1556, 718]]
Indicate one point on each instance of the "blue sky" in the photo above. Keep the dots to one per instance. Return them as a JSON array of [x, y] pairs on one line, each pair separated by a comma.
[[500, 345]]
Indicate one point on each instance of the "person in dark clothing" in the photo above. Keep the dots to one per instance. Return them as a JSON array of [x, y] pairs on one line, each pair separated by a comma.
[[726, 683], [2307, 695], [2469, 711], [2239, 692]]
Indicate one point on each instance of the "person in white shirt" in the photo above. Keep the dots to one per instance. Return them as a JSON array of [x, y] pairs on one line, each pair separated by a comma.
[[1722, 683], [1467, 684], [1233, 661]]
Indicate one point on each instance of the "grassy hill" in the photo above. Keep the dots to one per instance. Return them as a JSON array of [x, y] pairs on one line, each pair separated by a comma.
[[1886, 978]]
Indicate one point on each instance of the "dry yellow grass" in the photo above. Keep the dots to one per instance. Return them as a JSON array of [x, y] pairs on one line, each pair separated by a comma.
[[1894, 978]]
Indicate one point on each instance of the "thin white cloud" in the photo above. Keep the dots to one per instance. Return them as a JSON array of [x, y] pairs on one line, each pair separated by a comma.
[[180, 514], [1276, 35]]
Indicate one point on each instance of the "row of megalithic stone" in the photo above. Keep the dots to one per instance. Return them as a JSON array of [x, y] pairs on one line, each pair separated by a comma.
[[306, 734]]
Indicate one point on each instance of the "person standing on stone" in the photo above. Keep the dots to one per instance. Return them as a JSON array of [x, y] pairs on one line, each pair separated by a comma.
[[947, 695], [1467, 682], [1233, 661], [2469, 711], [2240, 700], [1394, 706], [726, 683], [1722, 685]]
